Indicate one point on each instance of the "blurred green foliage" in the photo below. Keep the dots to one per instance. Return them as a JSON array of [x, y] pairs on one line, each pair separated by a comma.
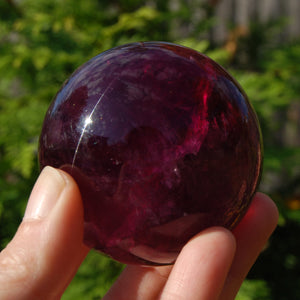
[[42, 42]]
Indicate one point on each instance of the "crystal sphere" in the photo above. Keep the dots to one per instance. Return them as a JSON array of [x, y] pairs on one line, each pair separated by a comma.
[[162, 142]]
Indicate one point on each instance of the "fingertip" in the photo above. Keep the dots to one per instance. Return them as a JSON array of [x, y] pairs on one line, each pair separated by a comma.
[[45, 193], [262, 213], [219, 236], [202, 266], [264, 203]]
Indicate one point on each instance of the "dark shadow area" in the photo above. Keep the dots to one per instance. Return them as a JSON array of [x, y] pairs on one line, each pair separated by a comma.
[[279, 264]]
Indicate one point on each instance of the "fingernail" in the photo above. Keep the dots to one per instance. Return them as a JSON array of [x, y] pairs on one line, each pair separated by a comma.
[[45, 194]]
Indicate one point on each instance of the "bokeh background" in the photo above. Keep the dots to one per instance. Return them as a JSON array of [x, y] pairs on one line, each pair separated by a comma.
[[42, 42]]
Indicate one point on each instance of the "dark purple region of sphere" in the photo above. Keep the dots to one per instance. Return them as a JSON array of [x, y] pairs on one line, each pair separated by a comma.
[[162, 142]]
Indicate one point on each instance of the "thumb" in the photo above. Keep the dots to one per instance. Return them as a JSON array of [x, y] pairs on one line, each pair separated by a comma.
[[47, 249]]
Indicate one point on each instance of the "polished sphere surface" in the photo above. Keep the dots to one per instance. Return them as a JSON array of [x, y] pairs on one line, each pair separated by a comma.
[[162, 142]]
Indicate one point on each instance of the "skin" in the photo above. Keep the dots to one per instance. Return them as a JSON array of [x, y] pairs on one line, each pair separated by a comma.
[[45, 253]]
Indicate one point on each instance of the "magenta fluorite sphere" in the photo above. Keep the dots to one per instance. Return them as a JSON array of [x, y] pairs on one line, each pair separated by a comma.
[[162, 142]]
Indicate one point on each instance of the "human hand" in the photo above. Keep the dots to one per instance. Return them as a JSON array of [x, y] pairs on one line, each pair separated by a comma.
[[47, 250]]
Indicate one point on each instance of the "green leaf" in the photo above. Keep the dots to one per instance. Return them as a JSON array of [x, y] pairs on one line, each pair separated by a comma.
[[41, 57], [254, 290]]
